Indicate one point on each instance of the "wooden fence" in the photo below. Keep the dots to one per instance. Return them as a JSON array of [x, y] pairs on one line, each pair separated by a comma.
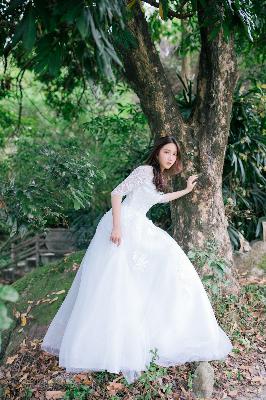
[[23, 254]]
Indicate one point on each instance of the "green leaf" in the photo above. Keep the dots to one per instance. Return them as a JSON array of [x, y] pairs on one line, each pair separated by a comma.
[[110, 50], [83, 23], [214, 32], [243, 175], [234, 161], [194, 5], [207, 277], [76, 205], [55, 61], [3, 310], [69, 10], [226, 31], [191, 254], [18, 33], [8, 293], [95, 33], [5, 322], [220, 266], [29, 33]]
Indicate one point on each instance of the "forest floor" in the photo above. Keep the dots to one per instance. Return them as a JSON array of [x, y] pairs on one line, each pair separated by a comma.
[[30, 373]]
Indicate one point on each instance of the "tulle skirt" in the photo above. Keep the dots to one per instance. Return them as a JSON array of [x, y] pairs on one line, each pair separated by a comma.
[[126, 301]]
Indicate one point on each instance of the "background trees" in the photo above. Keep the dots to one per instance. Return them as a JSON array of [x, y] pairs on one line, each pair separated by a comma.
[[70, 46], [85, 87]]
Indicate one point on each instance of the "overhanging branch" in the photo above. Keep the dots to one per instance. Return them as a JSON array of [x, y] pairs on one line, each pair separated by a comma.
[[146, 75]]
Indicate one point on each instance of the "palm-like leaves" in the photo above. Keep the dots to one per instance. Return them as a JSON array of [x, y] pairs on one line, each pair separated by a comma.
[[245, 165]]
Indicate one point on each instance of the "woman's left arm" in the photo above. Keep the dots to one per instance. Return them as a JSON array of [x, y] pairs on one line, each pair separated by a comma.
[[191, 182]]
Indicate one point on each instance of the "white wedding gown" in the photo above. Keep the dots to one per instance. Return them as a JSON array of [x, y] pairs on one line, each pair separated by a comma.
[[129, 299]]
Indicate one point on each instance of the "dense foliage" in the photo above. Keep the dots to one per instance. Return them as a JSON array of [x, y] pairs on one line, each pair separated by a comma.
[[69, 47], [56, 170], [55, 180], [71, 44], [41, 183]]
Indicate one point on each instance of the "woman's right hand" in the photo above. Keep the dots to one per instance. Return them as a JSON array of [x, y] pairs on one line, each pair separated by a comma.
[[115, 236]]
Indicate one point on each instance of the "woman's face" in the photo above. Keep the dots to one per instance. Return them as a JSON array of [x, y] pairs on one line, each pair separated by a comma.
[[167, 156]]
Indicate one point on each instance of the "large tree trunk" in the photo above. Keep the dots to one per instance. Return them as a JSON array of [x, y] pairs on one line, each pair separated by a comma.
[[205, 141], [200, 215]]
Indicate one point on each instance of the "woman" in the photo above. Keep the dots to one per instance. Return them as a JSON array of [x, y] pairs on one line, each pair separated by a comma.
[[136, 290]]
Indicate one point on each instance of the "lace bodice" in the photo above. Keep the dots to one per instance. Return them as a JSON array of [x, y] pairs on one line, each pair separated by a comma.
[[140, 191]]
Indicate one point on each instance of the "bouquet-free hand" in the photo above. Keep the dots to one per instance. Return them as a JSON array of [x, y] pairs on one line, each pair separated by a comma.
[[115, 236], [191, 182]]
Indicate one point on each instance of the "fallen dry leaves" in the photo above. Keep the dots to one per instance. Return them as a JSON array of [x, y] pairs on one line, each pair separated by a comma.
[[23, 318], [241, 376], [54, 394]]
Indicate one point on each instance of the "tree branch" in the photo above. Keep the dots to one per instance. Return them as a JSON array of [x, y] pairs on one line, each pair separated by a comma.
[[144, 72], [217, 67], [171, 13]]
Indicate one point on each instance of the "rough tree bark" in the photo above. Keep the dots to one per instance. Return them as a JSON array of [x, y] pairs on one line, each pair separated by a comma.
[[203, 138], [206, 140]]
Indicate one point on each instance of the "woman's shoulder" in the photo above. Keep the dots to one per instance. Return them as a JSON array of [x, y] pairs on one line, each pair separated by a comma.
[[144, 169]]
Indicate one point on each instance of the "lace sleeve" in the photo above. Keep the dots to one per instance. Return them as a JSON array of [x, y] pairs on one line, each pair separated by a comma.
[[133, 180]]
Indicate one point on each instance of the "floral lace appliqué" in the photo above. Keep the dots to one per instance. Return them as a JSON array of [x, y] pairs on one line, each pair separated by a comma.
[[140, 261]]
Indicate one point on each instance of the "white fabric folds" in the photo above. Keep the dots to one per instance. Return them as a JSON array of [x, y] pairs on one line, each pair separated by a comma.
[[130, 299]]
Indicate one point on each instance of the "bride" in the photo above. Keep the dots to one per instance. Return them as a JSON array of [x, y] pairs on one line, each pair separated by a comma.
[[136, 290]]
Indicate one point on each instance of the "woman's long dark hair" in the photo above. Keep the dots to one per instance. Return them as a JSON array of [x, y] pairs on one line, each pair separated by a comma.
[[161, 179]]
